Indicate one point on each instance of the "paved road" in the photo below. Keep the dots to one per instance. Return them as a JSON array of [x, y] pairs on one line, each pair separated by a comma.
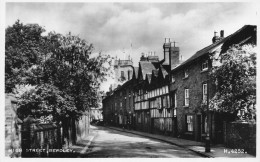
[[112, 143]]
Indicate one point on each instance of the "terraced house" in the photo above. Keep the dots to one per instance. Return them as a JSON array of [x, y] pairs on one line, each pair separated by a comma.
[[171, 97]]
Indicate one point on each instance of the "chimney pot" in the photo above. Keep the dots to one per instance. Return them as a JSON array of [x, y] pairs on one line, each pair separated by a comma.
[[215, 33], [222, 33]]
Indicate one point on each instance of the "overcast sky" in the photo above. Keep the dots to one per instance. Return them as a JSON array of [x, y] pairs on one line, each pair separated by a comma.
[[113, 27]]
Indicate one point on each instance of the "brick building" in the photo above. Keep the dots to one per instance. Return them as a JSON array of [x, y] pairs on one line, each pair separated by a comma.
[[192, 87]]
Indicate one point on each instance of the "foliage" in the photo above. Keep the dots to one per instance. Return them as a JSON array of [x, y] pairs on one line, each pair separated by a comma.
[[235, 80], [64, 64], [48, 102], [22, 50]]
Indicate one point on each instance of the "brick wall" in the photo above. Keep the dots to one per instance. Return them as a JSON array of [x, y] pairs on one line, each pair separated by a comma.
[[239, 135]]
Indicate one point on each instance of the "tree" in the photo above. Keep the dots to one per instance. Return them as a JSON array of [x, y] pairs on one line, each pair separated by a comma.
[[65, 62], [235, 81], [22, 51]]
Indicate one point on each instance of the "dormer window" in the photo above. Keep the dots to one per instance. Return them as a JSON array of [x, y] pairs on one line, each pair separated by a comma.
[[205, 65]]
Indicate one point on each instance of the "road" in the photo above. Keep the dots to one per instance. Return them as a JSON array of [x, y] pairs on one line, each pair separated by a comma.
[[111, 143]]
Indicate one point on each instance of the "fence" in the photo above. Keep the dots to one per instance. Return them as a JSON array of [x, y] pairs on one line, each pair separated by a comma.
[[41, 140]]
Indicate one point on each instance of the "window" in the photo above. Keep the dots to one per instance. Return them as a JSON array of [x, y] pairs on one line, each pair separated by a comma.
[[205, 65], [159, 102], [186, 73], [129, 74], [205, 125], [174, 100], [168, 101], [189, 121], [204, 93], [122, 74], [187, 97], [121, 104], [164, 101]]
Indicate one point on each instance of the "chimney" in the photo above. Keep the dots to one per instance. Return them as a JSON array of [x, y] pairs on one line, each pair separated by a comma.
[[166, 50], [215, 38], [174, 56], [222, 33]]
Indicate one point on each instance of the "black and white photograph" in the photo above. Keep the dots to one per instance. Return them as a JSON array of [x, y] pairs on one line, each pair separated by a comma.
[[114, 79]]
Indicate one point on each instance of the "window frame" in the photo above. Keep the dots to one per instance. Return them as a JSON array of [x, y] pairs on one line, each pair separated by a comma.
[[204, 93], [189, 123], [186, 97], [203, 67]]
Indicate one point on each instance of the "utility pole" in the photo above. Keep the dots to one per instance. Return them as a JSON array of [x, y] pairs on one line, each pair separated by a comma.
[[207, 140]]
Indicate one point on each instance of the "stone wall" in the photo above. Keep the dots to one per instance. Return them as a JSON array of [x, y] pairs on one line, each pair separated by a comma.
[[240, 135]]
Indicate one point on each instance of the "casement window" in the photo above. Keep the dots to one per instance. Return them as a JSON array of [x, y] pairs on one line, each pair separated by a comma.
[[168, 101], [164, 101], [204, 93], [187, 97], [174, 100], [189, 122], [159, 102], [205, 65], [205, 125], [129, 74], [186, 73]]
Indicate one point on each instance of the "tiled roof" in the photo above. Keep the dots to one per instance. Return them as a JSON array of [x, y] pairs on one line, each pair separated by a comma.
[[146, 67], [227, 42], [136, 72]]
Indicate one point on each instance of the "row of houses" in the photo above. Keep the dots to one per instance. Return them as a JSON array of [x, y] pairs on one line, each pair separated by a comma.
[[170, 97]]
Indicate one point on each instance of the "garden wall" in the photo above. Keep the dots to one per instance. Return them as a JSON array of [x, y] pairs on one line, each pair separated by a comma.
[[240, 135]]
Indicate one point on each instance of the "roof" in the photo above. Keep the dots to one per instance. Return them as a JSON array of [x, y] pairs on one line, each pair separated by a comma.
[[155, 73], [146, 67], [136, 72], [164, 72], [227, 42]]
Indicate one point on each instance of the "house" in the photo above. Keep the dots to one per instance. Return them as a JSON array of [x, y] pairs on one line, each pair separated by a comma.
[[191, 87]]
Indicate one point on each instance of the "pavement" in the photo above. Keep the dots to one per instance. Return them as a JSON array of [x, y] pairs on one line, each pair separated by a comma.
[[82, 145], [217, 151]]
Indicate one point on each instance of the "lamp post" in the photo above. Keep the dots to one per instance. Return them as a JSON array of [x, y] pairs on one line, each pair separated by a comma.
[[207, 140]]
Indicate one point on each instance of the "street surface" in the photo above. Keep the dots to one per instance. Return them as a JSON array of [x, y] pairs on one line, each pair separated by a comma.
[[111, 143]]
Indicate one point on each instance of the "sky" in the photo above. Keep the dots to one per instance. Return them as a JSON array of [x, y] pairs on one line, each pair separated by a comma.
[[120, 29]]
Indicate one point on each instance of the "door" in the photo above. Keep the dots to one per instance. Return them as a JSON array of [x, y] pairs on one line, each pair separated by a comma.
[[199, 123]]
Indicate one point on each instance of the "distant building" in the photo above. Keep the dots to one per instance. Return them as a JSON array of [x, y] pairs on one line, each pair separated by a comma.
[[96, 114], [123, 71]]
